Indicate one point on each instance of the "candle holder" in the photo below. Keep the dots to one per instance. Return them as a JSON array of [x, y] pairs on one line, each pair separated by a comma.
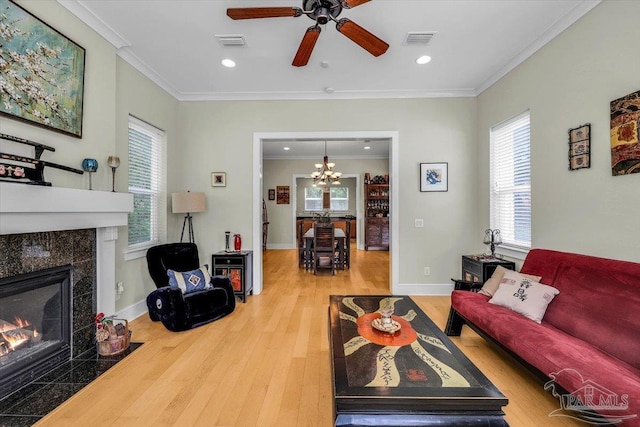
[[114, 162], [90, 165]]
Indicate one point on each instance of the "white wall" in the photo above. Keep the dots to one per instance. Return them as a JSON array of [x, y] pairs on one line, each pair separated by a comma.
[[571, 81], [218, 136], [140, 97]]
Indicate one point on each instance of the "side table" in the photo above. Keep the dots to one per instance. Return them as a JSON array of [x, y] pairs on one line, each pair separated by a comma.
[[476, 269], [238, 266], [479, 268]]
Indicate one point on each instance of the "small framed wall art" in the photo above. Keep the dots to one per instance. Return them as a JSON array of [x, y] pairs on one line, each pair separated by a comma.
[[272, 194], [282, 192], [218, 179], [434, 177], [580, 147]]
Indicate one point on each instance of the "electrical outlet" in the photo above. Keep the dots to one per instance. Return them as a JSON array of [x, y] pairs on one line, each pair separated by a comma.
[[427, 271], [419, 223]]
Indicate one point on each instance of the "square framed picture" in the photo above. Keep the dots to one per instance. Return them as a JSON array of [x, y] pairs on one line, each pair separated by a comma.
[[218, 179], [434, 177], [580, 147]]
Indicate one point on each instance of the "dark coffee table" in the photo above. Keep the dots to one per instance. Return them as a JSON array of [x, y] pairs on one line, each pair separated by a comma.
[[413, 377]]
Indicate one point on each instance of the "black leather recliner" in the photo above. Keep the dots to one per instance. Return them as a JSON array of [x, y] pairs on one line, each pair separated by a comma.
[[178, 311]]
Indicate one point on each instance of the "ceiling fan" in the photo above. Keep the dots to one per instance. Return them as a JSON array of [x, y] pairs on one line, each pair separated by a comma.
[[321, 11]]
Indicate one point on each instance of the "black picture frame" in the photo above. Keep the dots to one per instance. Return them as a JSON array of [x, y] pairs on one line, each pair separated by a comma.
[[580, 147], [434, 177]]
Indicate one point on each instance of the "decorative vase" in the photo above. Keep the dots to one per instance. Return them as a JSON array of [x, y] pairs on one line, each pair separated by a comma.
[[90, 165]]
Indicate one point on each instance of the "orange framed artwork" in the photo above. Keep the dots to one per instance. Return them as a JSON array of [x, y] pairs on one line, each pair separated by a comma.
[[625, 140]]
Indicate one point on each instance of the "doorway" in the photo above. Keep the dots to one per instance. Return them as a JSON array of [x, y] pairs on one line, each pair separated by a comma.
[[261, 138]]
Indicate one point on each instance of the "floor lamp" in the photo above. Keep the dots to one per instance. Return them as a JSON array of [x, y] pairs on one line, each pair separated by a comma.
[[188, 203]]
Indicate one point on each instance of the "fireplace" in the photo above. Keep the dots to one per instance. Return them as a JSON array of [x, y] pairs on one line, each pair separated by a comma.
[[35, 325]]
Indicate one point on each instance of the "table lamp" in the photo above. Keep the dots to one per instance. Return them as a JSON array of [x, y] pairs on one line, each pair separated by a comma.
[[188, 203], [492, 238]]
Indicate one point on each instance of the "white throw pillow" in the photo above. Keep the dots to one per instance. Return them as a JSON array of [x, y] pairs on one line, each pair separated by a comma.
[[491, 286], [523, 295]]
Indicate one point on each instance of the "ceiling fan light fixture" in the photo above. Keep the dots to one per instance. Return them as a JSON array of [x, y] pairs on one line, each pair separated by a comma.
[[424, 59]]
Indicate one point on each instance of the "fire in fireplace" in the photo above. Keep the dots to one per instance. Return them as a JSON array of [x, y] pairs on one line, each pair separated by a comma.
[[15, 335], [35, 325]]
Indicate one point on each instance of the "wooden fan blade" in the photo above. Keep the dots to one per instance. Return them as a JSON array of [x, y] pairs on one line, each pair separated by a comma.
[[349, 4], [262, 12], [362, 37], [306, 46]]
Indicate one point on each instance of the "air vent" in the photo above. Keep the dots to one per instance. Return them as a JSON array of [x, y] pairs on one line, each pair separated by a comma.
[[418, 38], [231, 40]]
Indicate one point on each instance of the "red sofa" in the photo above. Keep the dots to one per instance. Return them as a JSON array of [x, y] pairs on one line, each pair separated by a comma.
[[587, 347]]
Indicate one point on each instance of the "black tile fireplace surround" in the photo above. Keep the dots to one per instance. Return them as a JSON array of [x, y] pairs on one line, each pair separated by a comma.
[[24, 254]]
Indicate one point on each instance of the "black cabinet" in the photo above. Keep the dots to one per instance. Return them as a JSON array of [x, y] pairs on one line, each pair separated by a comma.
[[238, 266], [479, 268]]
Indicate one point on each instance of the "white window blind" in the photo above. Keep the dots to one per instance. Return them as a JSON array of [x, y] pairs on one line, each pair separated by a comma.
[[145, 182], [339, 198], [510, 176]]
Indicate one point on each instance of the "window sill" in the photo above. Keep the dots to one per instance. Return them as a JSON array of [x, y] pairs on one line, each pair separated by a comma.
[[135, 252], [513, 252]]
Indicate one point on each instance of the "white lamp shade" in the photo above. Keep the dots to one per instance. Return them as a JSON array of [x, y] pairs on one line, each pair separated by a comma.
[[187, 202]]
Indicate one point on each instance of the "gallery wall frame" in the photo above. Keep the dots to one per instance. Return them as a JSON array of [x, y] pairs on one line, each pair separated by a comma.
[[282, 194], [44, 79], [434, 177], [580, 147], [218, 179], [272, 194]]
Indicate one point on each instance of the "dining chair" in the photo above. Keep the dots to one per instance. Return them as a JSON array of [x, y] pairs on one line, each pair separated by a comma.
[[324, 248], [347, 245], [302, 250]]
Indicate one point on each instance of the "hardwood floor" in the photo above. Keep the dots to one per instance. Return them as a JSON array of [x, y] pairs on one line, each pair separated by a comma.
[[267, 363]]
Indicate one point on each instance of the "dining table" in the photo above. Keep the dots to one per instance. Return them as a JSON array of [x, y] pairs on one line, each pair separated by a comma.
[[340, 238]]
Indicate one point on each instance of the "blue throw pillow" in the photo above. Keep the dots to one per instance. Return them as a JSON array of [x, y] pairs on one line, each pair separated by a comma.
[[190, 281]]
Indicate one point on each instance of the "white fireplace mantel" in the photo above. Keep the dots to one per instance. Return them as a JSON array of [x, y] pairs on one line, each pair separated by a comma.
[[31, 209]]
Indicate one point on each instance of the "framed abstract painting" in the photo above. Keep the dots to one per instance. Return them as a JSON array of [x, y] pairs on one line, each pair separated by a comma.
[[43, 72], [625, 139], [434, 177]]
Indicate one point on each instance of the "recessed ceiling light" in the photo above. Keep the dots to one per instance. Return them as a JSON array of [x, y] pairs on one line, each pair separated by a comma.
[[366, 147], [286, 148], [228, 63], [423, 60]]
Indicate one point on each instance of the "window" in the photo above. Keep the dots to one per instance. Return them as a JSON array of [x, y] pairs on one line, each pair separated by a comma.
[[510, 193], [145, 183], [339, 198]]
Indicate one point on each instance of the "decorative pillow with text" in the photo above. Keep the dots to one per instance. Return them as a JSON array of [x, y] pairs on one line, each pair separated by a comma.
[[190, 281], [491, 286], [524, 296]]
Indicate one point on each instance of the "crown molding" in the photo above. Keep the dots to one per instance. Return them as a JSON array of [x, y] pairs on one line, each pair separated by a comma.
[[96, 24]]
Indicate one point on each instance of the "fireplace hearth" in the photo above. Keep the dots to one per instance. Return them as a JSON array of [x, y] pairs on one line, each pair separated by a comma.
[[35, 325]]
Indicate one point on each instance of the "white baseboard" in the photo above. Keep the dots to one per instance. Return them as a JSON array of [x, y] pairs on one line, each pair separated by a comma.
[[433, 289], [280, 246], [133, 311]]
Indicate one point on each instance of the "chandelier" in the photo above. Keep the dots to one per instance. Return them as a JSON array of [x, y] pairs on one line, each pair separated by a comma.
[[324, 173]]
